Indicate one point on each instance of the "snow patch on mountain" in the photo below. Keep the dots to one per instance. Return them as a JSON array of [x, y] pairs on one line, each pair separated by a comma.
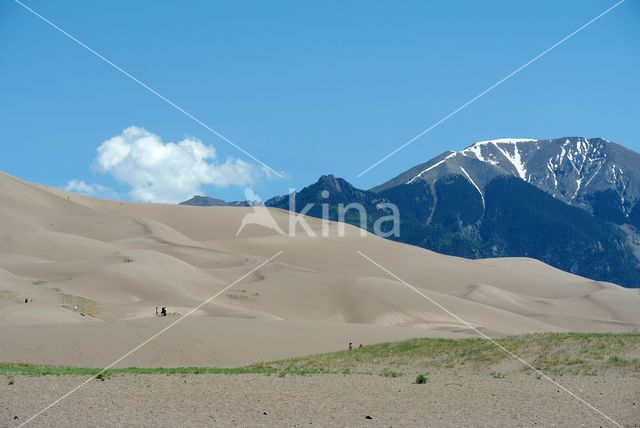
[[474, 184], [578, 184], [505, 141], [452, 154], [594, 175], [514, 158], [553, 173], [476, 149], [508, 147]]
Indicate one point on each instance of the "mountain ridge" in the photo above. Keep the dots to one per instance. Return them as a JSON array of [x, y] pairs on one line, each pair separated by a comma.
[[576, 170], [493, 199]]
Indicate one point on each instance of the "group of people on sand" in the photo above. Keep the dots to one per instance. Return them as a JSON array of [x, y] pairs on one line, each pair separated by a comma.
[[351, 346], [162, 313]]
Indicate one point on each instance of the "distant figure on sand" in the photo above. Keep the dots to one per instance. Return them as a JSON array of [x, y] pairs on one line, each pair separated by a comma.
[[26, 300], [75, 308], [350, 346], [156, 311], [164, 311], [360, 346]]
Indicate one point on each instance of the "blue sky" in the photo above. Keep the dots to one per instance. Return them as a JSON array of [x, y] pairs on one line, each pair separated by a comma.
[[310, 89]]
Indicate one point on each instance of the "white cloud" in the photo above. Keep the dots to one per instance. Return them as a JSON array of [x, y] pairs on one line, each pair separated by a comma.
[[165, 172], [95, 190]]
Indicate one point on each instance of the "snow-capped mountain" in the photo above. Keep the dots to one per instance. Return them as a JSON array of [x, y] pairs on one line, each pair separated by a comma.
[[578, 171]]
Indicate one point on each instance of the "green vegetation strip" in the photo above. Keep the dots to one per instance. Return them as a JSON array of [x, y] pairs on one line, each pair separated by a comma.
[[574, 352], [557, 353], [10, 369]]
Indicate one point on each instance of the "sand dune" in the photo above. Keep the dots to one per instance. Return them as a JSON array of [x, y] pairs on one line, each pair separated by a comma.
[[117, 261]]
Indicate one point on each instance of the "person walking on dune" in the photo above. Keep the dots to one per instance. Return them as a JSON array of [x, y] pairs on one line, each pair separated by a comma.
[[350, 346]]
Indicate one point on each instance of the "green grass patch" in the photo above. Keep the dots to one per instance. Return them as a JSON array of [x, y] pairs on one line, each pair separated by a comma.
[[421, 379], [8, 369], [616, 360], [545, 351], [85, 306], [9, 295], [390, 373], [19, 369], [238, 296]]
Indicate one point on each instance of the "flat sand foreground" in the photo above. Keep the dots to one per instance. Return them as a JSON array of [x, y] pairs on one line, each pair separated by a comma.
[[447, 399]]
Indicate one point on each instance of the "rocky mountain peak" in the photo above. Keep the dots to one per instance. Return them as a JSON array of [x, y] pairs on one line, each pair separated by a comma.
[[576, 170]]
